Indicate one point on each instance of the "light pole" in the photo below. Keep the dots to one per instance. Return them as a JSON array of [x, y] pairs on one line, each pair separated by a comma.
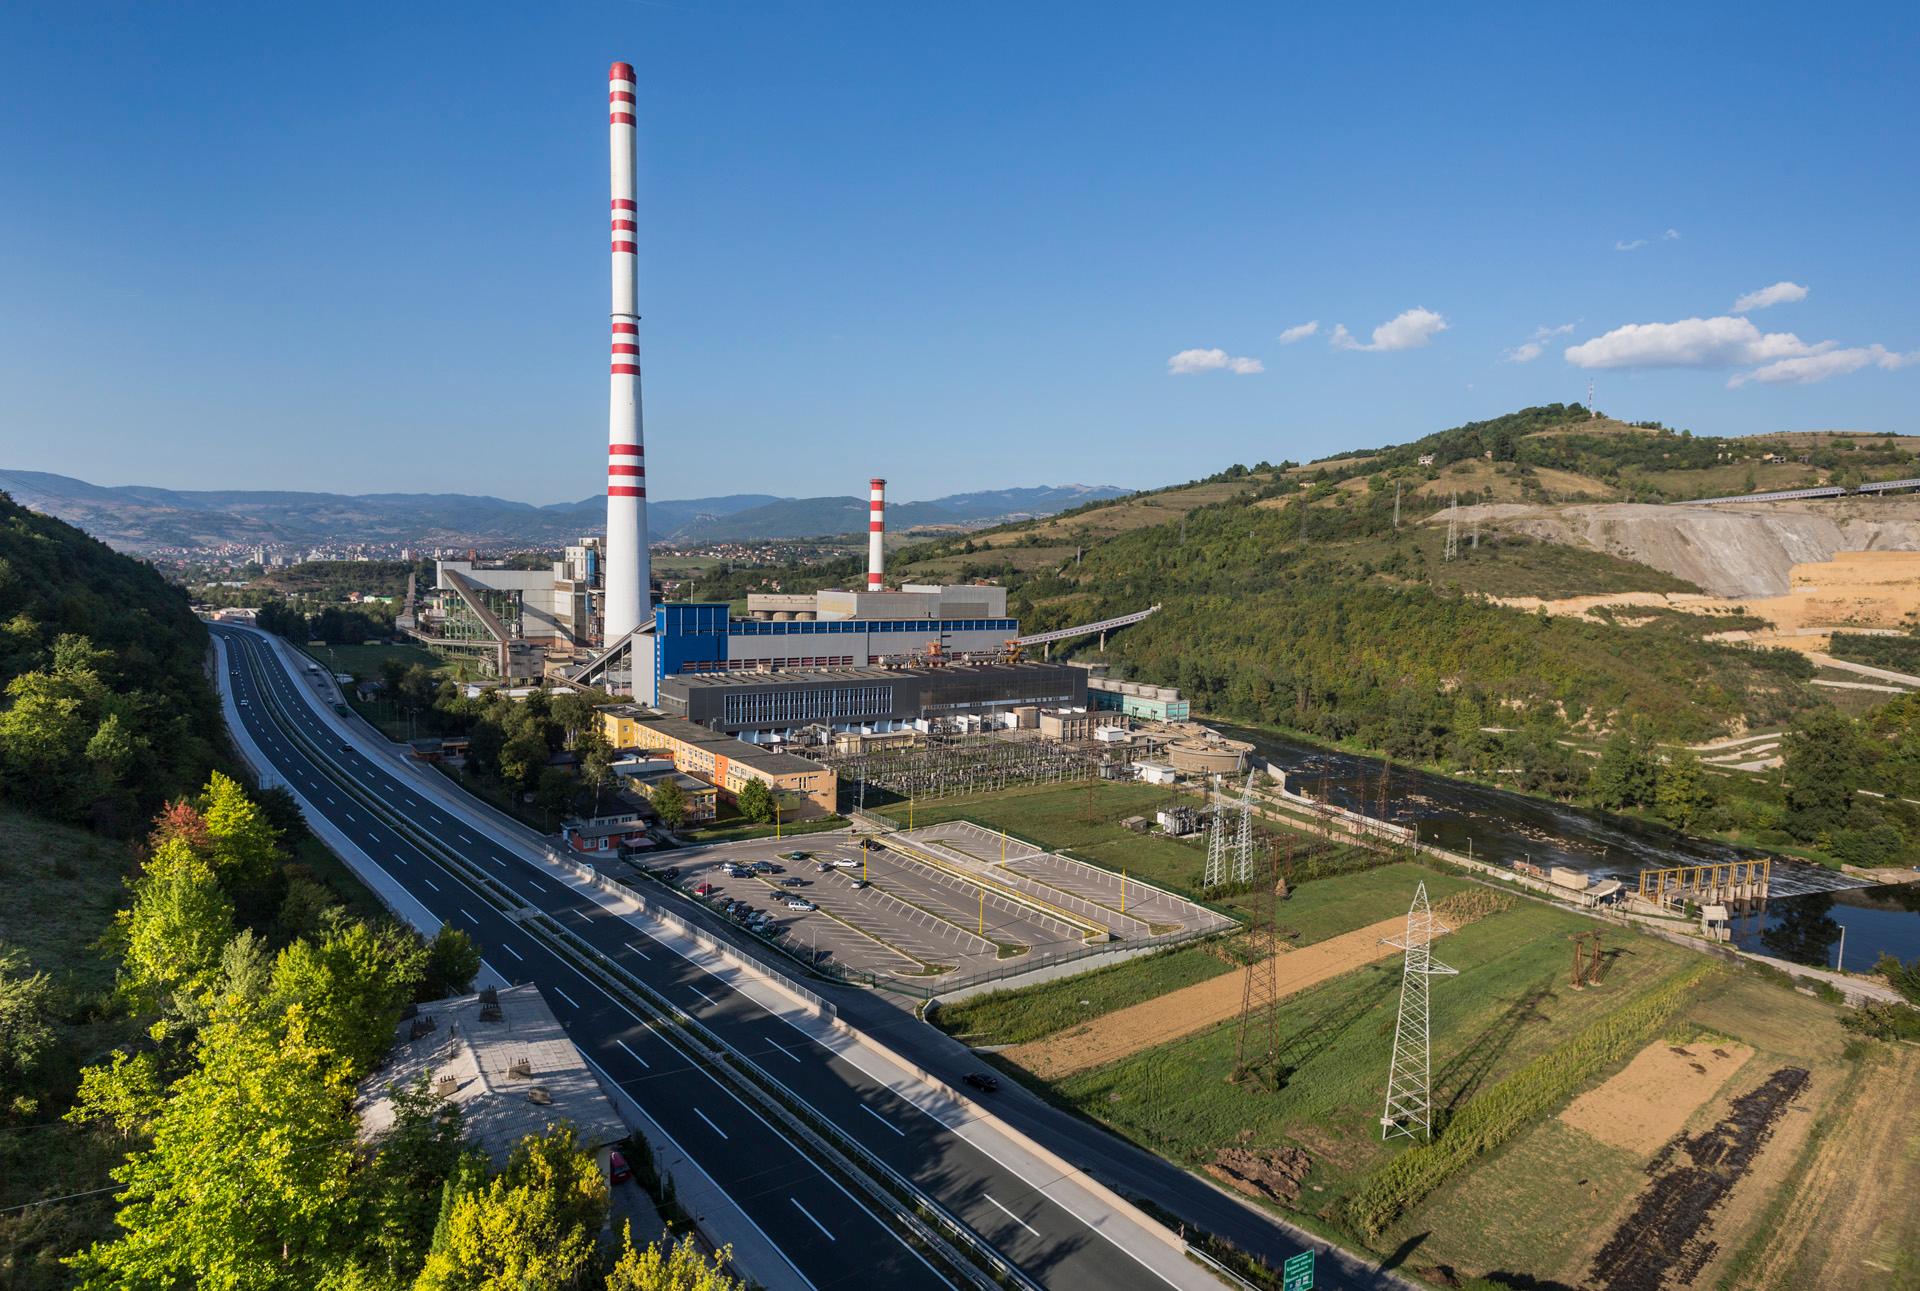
[[1840, 961]]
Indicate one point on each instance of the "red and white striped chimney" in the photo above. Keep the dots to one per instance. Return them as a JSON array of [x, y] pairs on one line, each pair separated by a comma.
[[628, 576], [876, 534]]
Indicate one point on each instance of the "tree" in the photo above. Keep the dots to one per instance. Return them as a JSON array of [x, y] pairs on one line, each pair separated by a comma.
[[351, 986], [522, 756], [26, 1019], [1824, 764], [127, 1093], [179, 923], [596, 758], [670, 803], [401, 1187], [755, 801], [246, 1183], [1903, 977], [533, 1225], [245, 847], [453, 961], [1626, 774], [679, 1267], [1680, 789]]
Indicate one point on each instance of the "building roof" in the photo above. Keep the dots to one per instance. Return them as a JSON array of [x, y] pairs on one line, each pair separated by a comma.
[[726, 746], [480, 1052]]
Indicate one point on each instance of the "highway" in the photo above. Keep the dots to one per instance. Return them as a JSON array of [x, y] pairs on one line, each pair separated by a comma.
[[829, 1237]]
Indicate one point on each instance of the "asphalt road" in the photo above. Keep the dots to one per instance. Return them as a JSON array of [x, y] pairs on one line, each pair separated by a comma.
[[826, 1233]]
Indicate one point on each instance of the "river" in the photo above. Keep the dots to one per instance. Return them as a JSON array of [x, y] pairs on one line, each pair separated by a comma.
[[1806, 929]]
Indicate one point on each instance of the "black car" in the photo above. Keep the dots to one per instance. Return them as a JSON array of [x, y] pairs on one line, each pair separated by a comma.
[[982, 1081]]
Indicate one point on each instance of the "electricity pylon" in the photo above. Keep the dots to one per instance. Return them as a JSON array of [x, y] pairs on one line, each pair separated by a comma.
[[1217, 841], [1243, 837], [1410, 1078], [1453, 526]]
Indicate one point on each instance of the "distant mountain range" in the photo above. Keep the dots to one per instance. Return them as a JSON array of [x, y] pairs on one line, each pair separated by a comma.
[[140, 519]]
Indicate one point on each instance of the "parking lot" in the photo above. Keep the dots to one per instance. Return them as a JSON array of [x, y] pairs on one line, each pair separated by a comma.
[[930, 906]]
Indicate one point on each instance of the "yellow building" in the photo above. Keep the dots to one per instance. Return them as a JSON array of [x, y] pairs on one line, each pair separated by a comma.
[[721, 760]]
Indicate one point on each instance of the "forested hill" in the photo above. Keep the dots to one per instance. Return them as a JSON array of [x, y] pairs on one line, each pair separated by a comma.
[[1290, 597], [107, 710]]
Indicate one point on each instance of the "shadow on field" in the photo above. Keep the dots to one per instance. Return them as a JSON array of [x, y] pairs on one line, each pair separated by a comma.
[[1464, 1073], [1328, 1024]]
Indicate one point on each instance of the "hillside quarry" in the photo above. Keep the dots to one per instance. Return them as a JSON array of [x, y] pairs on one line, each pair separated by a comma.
[[1741, 550]]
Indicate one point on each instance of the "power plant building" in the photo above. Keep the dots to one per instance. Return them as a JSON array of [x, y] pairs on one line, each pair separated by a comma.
[[767, 706]]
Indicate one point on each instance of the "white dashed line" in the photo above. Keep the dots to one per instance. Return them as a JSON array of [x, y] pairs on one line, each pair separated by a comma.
[[470, 918], [803, 1210], [884, 1121], [430, 883], [636, 1057], [1010, 1215], [703, 995], [568, 998], [722, 1133], [783, 1049], [636, 950], [509, 949]]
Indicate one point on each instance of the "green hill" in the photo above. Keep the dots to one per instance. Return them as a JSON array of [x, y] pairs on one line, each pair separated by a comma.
[[1290, 597], [107, 711]]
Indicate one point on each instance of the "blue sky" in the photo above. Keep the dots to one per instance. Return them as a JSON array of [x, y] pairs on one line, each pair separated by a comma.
[[363, 247]]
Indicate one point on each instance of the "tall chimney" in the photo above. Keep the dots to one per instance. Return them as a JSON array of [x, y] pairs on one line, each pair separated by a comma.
[[876, 534], [628, 576]]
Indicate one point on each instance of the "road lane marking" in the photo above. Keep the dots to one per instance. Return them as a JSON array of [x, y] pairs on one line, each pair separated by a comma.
[[723, 1134], [466, 840], [349, 816], [636, 1057], [636, 950], [1010, 1215], [783, 1049], [802, 1209], [568, 998], [509, 949], [463, 910], [430, 883], [703, 995], [890, 1125]]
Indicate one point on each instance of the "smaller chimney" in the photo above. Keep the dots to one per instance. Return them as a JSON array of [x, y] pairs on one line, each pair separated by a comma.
[[876, 534]]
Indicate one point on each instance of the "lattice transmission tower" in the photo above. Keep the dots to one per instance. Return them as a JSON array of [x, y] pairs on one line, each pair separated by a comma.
[[1453, 526], [1243, 836], [1409, 1105], [1217, 846], [1259, 1038]]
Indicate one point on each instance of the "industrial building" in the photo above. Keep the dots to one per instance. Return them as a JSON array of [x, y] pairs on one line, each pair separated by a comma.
[[509, 620], [764, 706], [721, 760], [1137, 700]]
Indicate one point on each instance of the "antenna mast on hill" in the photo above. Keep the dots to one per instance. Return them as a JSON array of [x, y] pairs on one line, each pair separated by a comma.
[[1591, 414], [1410, 1077]]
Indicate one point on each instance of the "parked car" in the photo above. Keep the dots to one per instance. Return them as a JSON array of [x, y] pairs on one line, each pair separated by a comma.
[[861, 883], [793, 883], [823, 867], [704, 890], [846, 863], [796, 856], [617, 1168], [800, 903], [982, 1081]]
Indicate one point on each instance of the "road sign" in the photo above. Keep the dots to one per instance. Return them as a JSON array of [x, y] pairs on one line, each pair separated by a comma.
[[1297, 1272]]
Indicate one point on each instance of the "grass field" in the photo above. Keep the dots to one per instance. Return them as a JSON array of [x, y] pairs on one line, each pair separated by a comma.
[[64, 886], [1028, 1013]]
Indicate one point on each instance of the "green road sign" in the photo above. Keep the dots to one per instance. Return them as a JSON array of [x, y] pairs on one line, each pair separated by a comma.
[[1297, 1272]]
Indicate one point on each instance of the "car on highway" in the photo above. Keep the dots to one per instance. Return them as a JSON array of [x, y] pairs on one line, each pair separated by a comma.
[[982, 1081]]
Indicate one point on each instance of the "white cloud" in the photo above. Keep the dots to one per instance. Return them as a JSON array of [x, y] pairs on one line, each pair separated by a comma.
[[1725, 342], [1781, 293], [1406, 331], [1299, 333], [1671, 235], [1192, 362], [1690, 343], [1534, 346], [1808, 368]]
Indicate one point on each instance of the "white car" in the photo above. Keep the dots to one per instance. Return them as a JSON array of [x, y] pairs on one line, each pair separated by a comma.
[[800, 903], [846, 863]]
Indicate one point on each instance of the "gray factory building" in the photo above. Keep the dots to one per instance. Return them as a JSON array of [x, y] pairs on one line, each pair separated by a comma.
[[762, 705]]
